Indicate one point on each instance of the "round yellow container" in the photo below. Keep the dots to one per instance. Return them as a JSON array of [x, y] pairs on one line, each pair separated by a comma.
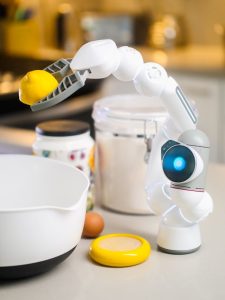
[[119, 250]]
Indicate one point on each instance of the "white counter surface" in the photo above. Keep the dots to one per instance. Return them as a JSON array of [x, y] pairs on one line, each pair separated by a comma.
[[199, 275]]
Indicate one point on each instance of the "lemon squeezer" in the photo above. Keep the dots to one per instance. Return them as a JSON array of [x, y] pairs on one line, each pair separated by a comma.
[[69, 83]]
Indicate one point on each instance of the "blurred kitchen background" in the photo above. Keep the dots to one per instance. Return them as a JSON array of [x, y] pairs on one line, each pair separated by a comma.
[[185, 36]]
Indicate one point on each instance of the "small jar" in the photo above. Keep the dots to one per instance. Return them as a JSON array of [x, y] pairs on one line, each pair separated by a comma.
[[68, 141], [65, 140]]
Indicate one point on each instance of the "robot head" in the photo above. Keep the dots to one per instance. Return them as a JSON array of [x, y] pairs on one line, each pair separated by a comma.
[[180, 163]]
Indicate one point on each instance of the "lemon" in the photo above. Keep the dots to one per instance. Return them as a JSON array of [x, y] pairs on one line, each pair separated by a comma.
[[36, 85]]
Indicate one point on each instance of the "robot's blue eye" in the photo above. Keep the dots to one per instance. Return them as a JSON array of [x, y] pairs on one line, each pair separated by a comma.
[[179, 163]]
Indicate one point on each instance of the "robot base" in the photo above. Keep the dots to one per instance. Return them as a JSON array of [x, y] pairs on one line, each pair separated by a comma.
[[179, 240]]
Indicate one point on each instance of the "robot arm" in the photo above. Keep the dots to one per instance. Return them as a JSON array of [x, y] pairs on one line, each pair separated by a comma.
[[100, 59], [103, 58]]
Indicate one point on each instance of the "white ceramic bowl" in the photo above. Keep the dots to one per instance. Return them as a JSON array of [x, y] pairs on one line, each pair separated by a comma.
[[42, 211]]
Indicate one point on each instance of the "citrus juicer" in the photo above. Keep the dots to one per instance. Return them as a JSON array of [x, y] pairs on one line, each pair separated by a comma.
[[69, 83]]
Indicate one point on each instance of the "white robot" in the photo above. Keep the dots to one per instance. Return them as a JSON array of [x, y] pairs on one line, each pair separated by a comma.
[[179, 152]]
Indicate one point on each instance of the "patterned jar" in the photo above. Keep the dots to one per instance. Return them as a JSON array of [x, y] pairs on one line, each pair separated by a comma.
[[65, 140]]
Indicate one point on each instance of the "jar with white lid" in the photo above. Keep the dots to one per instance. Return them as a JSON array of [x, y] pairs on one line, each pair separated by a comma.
[[123, 124], [68, 141]]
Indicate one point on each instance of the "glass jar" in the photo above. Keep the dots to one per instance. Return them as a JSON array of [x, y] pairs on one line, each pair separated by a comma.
[[123, 124], [68, 141]]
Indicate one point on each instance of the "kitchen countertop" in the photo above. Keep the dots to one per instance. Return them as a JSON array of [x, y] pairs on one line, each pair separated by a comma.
[[199, 275]]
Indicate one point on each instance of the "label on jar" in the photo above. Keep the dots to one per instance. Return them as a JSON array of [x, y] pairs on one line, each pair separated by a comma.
[[79, 158]]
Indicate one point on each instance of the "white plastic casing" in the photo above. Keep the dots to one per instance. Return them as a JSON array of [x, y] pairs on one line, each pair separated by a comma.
[[179, 239], [159, 199], [177, 235], [101, 57], [130, 62], [157, 184], [178, 106], [194, 206], [151, 80]]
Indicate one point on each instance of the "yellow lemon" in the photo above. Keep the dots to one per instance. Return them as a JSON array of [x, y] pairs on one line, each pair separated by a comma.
[[36, 85]]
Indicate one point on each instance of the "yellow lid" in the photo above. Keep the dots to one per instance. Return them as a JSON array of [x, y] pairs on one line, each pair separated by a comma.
[[119, 250]]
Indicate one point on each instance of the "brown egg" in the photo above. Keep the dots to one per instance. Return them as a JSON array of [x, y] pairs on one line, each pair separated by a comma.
[[93, 225]]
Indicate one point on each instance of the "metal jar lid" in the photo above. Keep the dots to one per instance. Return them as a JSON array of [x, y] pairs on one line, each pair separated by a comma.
[[62, 128]]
